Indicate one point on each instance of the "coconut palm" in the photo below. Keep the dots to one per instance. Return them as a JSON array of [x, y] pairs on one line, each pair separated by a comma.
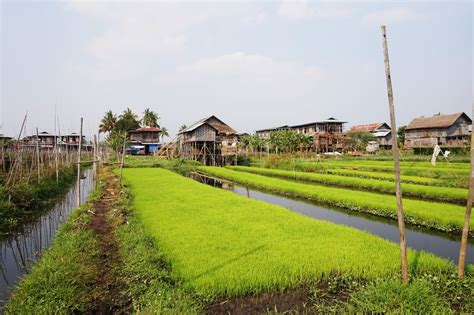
[[150, 118], [127, 121], [164, 133], [182, 127], [108, 122]]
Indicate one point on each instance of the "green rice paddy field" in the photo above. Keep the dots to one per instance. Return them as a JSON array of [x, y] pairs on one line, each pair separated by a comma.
[[224, 244], [441, 216], [448, 194]]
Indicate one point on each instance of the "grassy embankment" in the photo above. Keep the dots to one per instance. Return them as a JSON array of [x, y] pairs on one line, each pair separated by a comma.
[[26, 201], [222, 244], [448, 194], [440, 216], [65, 280]]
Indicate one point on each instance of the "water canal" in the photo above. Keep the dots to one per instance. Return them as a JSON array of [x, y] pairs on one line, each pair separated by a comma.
[[438, 243], [19, 252]]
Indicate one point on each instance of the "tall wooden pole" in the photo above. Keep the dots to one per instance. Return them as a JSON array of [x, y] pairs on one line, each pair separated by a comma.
[[37, 154], [396, 161], [123, 157], [56, 161], [467, 218], [79, 147]]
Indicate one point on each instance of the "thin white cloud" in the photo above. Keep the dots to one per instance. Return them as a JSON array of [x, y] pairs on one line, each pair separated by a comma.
[[136, 35], [389, 16], [248, 66], [303, 9]]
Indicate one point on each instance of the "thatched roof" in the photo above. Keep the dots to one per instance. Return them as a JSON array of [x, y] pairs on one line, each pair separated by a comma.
[[213, 121], [438, 121]]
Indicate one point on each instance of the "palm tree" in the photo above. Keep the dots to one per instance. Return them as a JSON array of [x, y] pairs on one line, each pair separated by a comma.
[[108, 122], [127, 121], [164, 133], [182, 127], [150, 118]]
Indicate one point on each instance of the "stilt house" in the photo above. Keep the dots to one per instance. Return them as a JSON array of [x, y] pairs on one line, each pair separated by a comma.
[[209, 141]]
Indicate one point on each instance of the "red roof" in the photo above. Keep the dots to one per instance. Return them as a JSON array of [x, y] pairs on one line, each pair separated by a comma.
[[366, 128], [147, 129]]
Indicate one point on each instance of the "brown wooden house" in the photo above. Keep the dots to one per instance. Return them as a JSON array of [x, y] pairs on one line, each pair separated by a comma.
[[449, 131], [210, 141], [144, 141]]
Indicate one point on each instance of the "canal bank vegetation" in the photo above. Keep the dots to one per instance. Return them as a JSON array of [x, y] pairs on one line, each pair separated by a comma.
[[26, 200], [229, 249], [72, 275], [440, 216], [63, 280], [447, 194]]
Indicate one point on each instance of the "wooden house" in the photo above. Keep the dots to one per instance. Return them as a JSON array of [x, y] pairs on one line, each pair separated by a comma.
[[381, 131], [449, 131], [44, 139], [144, 141], [265, 133], [210, 141], [327, 134]]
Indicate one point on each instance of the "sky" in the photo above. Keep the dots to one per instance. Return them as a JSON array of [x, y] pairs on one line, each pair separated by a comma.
[[253, 64]]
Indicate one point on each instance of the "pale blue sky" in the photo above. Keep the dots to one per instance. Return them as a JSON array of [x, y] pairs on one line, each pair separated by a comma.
[[253, 64]]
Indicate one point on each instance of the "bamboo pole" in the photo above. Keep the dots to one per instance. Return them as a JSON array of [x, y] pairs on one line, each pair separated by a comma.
[[467, 218], [38, 155], [56, 161], [123, 158], [79, 147], [396, 161]]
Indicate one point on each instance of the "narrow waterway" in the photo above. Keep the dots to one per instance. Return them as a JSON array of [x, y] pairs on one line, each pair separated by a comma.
[[19, 252], [440, 244]]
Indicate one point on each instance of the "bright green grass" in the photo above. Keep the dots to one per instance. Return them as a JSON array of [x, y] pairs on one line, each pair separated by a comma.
[[441, 216], [220, 243], [407, 170], [448, 194], [64, 279], [386, 176], [425, 164]]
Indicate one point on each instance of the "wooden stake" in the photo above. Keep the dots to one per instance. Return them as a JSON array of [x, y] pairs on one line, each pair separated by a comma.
[[123, 156], [396, 162], [79, 147], [467, 217], [38, 155]]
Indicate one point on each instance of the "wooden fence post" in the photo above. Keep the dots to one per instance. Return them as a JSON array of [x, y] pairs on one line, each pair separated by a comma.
[[123, 158], [79, 147], [38, 155], [467, 218], [396, 161]]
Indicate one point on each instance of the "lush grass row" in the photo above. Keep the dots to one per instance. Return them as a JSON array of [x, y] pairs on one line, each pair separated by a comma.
[[220, 243], [453, 195], [64, 279], [440, 216], [386, 176], [406, 164], [406, 170], [25, 201]]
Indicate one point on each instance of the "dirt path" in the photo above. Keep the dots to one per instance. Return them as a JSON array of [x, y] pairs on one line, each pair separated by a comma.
[[110, 300]]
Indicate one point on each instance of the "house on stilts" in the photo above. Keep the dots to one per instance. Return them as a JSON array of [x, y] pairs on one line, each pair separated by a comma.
[[209, 141]]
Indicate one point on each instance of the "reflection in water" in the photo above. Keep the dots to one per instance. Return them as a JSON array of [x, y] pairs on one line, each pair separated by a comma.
[[19, 252], [438, 243]]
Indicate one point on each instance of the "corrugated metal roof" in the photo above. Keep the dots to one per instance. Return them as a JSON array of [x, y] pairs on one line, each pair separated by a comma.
[[366, 127]]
